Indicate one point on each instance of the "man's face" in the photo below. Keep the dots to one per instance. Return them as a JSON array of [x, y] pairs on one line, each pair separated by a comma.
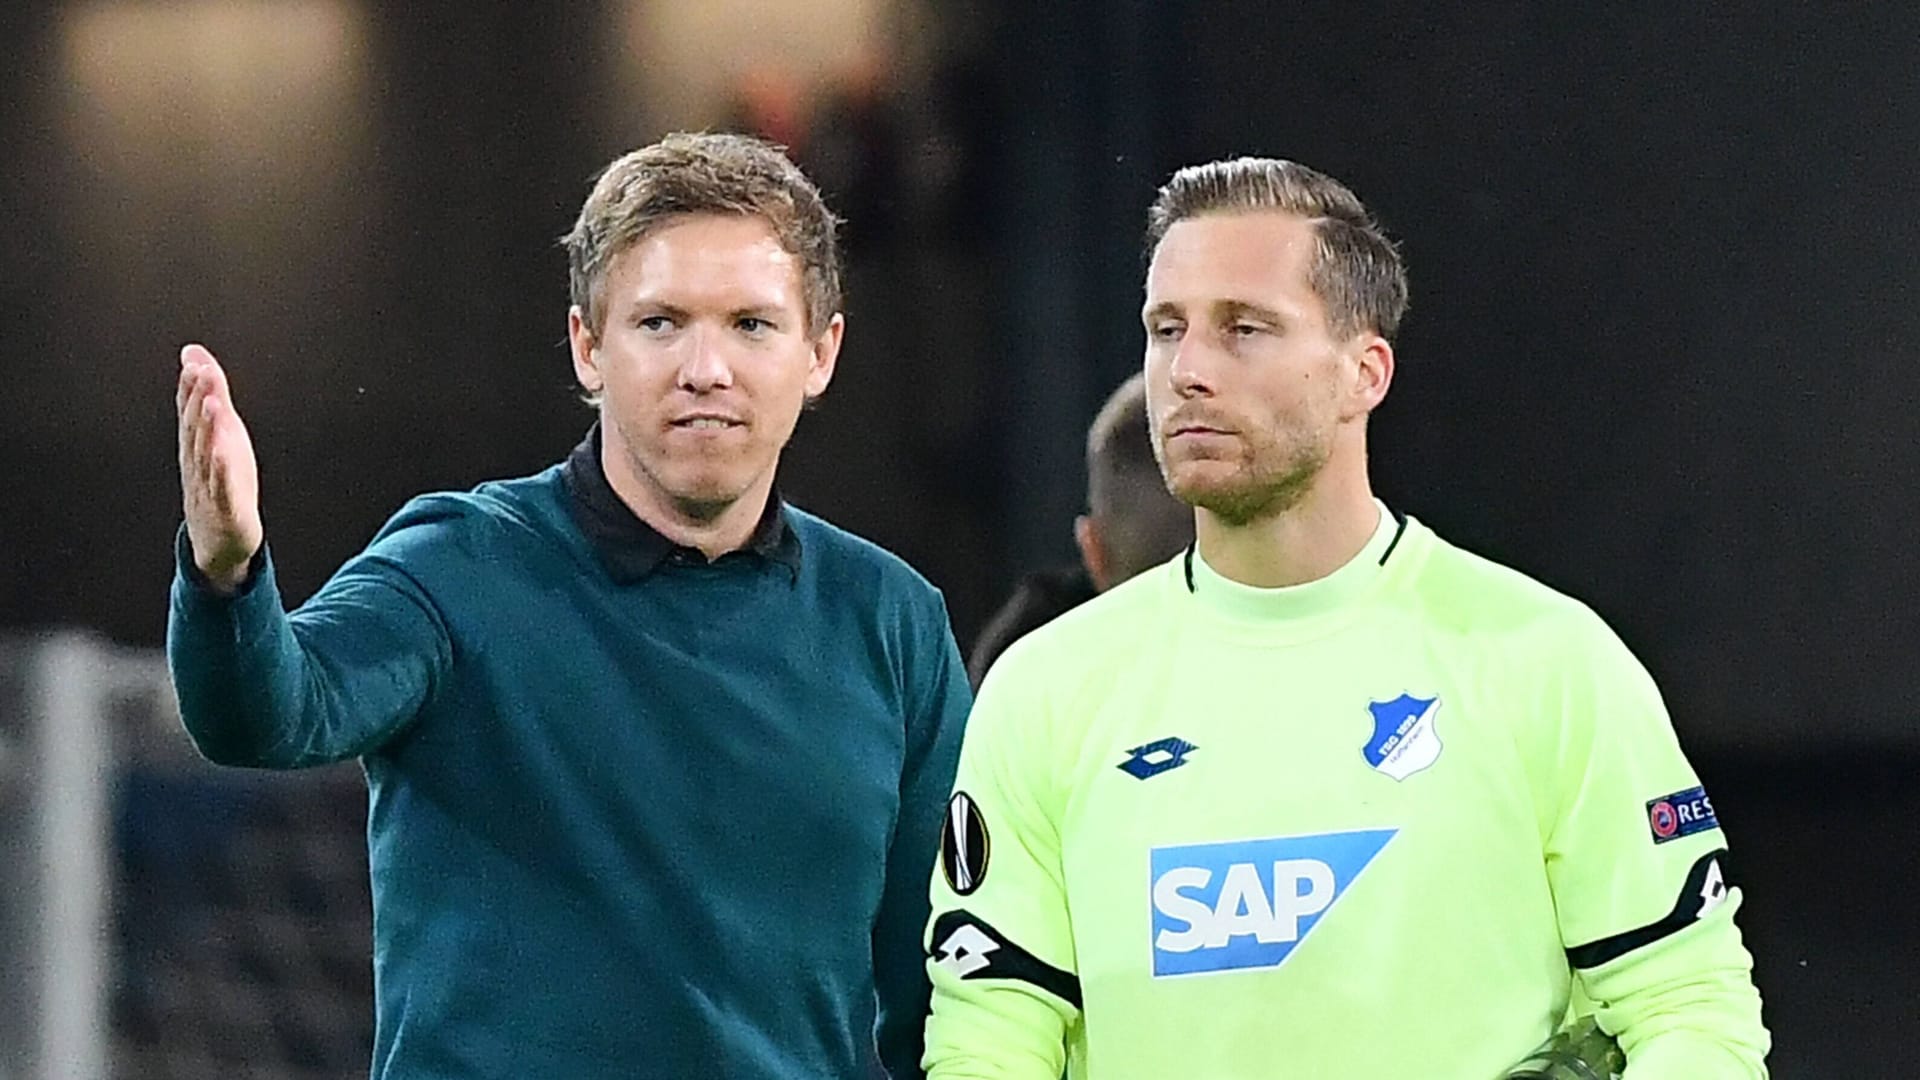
[[704, 359], [1248, 392]]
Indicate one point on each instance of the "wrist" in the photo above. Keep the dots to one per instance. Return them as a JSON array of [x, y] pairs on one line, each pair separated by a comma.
[[226, 573]]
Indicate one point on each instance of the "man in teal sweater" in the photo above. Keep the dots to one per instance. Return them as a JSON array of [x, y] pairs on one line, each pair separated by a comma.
[[656, 761]]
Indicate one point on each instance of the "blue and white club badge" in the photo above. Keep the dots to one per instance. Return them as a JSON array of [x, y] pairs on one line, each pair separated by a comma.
[[1404, 737]]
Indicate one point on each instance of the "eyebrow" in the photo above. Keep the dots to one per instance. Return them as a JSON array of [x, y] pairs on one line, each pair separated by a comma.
[[1224, 309], [771, 313], [1235, 308], [654, 308], [1163, 309]]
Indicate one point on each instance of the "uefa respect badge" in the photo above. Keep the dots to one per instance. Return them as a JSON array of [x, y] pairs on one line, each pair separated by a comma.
[[1682, 813]]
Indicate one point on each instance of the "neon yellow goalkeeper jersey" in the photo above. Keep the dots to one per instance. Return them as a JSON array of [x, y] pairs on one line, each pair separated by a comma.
[[1368, 827]]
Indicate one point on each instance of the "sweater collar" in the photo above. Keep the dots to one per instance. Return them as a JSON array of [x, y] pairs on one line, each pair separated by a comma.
[[632, 550]]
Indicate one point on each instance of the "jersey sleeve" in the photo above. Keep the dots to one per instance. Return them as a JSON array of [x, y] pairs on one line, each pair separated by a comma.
[[1000, 941], [1639, 869]]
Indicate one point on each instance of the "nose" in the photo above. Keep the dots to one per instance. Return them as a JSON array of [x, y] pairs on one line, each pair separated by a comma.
[[1190, 369], [704, 366]]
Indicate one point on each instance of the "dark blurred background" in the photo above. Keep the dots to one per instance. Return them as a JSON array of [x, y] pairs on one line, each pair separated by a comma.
[[1659, 355]]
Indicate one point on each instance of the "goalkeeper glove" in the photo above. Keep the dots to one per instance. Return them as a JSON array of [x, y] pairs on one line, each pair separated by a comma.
[[1579, 1051]]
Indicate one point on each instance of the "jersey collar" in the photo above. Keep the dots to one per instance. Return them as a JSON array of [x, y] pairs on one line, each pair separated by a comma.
[[1311, 598]]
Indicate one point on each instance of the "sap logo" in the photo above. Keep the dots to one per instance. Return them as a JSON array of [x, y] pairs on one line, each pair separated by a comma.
[[1682, 813], [1247, 903]]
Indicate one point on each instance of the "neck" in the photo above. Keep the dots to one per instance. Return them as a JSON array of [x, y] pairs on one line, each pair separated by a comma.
[[712, 534], [1305, 542]]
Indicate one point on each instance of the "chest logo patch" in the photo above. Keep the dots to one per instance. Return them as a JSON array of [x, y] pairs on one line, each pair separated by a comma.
[[1404, 737], [1247, 904], [1151, 759]]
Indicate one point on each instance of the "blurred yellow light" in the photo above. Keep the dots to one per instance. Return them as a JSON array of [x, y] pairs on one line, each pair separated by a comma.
[[220, 79], [226, 46]]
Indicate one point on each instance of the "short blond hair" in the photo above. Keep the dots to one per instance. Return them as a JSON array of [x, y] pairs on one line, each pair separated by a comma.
[[1356, 271], [703, 173]]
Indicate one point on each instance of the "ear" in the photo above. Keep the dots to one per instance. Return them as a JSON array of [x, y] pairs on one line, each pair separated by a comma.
[[586, 365], [1093, 555], [1373, 374], [826, 350]]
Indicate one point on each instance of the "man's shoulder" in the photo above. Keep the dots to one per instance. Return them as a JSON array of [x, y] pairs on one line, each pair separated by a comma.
[[1052, 684], [1096, 635], [473, 519], [1037, 599], [1462, 590], [848, 560]]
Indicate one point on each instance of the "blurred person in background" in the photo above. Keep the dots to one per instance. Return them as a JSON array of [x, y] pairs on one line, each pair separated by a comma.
[[1131, 523], [1328, 796], [655, 759]]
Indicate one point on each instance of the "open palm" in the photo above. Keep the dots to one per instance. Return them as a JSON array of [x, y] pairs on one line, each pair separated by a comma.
[[219, 478]]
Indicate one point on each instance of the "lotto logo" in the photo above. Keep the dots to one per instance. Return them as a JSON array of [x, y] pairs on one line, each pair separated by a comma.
[[1248, 903]]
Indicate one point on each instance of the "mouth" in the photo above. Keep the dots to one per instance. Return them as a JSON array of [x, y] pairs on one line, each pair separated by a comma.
[[1192, 422], [707, 422], [1196, 429]]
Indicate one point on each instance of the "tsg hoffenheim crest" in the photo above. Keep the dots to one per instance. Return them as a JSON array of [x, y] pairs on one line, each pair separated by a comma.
[[1404, 738]]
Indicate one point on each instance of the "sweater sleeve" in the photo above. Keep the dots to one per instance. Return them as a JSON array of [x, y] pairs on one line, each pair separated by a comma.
[[939, 697], [333, 680]]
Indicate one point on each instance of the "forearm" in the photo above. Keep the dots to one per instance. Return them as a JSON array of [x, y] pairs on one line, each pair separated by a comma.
[[899, 964], [260, 688], [1708, 1028], [1004, 1031], [900, 980], [1685, 1008], [234, 666], [1680, 1055], [941, 699]]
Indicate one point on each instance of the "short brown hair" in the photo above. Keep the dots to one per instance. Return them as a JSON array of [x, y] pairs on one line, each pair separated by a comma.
[[703, 173], [1141, 523], [1357, 272]]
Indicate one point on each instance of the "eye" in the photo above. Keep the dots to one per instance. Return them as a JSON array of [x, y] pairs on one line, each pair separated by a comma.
[[1166, 331], [1245, 329], [654, 324], [751, 324]]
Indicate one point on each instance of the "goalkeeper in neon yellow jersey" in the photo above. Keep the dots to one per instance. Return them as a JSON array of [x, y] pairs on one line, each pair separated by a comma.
[[1326, 797]]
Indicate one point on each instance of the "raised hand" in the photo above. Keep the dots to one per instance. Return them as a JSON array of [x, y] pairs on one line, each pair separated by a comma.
[[219, 479]]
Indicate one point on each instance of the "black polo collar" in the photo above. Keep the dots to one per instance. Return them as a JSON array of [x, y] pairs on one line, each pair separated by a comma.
[[631, 549]]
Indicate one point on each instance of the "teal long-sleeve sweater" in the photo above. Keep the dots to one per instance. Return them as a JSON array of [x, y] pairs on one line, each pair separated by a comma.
[[632, 813]]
